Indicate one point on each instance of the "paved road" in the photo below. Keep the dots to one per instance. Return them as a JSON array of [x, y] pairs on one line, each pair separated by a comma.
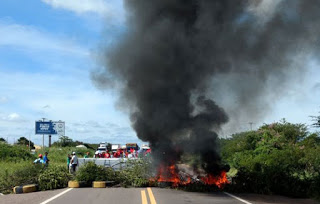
[[140, 196]]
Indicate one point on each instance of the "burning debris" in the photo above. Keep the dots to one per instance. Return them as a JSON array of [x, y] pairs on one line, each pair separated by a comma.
[[173, 176], [179, 55]]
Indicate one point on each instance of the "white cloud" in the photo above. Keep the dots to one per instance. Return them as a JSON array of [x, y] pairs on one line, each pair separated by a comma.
[[101, 7], [30, 39], [13, 117], [3, 99]]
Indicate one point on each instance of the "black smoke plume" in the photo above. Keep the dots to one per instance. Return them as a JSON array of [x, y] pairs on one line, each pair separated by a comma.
[[180, 56]]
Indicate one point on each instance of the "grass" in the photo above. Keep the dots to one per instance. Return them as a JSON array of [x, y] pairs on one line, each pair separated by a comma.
[[17, 173], [17, 168]]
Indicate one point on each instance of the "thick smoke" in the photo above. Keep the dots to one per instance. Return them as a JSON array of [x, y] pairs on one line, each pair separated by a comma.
[[178, 56]]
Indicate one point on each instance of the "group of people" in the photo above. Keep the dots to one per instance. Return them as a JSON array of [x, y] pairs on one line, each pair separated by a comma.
[[120, 153], [42, 159], [72, 162]]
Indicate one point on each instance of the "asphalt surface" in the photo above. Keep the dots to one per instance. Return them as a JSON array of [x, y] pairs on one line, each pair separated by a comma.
[[141, 196]]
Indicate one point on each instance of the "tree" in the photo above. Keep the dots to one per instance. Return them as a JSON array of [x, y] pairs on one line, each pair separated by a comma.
[[25, 142], [316, 121], [277, 158], [64, 141], [3, 140]]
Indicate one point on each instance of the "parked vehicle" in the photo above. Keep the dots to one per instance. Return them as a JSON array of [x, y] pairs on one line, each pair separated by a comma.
[[132, 146], [102, 148], [115, 147]]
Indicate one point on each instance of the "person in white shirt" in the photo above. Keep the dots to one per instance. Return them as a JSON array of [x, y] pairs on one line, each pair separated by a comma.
[[74, 162]]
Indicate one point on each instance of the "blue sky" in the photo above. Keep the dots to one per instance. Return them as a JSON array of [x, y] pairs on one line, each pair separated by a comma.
[[48, 49]]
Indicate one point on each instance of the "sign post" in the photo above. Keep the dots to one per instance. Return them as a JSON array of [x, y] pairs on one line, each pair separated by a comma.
[[43, 137], [49, 128]]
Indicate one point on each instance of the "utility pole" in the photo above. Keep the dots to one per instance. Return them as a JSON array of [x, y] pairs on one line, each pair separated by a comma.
[[251, 123], [49, 140], [29, 142], [43, 136]]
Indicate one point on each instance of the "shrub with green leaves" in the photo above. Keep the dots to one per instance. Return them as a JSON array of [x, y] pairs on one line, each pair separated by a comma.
[[280, 158], [14, 153], [22, 174], [54, 177], [90, 172], [137, 174]]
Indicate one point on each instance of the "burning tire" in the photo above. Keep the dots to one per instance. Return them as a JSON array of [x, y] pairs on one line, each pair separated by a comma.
[[73, 184], [99, 184]]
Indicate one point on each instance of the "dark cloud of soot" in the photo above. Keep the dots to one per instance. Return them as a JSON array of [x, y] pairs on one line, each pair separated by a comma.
[[173, 49]]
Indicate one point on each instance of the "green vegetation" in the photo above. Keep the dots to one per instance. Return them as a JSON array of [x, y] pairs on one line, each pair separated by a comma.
[[65, 141], [14, 153], [17, 168], [91, 172], [53, 177], [137, 174], [16, 174], [25, 142], [316, 121], [280, 158]]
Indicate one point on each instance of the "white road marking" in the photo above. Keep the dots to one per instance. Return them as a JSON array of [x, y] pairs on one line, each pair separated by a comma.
[[235, 197], [56, 196]]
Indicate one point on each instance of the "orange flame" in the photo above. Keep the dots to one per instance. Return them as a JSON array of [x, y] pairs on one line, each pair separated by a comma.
[[219, 181], [168, 174]]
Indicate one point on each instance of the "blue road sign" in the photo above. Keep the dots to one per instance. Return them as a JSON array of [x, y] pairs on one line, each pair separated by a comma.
[[44, 128], [49, 128]]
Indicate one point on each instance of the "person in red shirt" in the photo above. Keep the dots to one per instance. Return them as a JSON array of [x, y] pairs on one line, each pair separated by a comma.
[[107, 155], [117, 154]]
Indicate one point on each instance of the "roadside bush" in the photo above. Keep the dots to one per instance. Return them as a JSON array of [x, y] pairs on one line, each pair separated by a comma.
[[23, 174], [280, 158], [137, 174], [54, 177], [14, 153], [90, 172]]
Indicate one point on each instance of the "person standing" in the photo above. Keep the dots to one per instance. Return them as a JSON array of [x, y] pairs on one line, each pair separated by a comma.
[[87, 155], [74, 162], [45, 159], [68, 162], [39, 160]]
